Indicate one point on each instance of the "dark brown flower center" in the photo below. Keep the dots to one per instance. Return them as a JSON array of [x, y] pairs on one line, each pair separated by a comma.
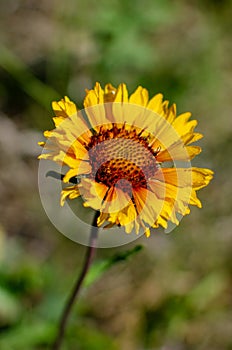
[[121, 158]]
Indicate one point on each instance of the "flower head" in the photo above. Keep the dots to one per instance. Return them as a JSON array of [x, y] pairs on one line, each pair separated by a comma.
[[127, 156]]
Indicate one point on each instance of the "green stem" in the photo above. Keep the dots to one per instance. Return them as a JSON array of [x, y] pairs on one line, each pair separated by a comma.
[[70, 302]]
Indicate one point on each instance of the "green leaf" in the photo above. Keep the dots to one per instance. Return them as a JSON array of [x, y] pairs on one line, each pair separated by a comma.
[[27, 335], [9, 308], [89, 338], [208, 289], [98, 268]]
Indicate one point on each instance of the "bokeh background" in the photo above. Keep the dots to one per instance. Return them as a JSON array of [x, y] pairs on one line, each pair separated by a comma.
[[175, 294]]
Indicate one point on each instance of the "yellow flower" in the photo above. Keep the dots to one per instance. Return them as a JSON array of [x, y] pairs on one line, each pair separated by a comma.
[[128, 157]]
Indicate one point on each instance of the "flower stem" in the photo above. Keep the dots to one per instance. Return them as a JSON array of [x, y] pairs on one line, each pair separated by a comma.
[[70, 302]]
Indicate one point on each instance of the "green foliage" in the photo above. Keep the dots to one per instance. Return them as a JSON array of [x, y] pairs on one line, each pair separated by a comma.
[[40, 92], [176, 311]]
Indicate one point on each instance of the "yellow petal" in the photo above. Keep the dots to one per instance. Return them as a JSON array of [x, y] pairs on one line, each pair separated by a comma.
[[83, 168], [69, 192], [94, 97], [109, 93], [139, 97], [147, 232], [92, 193], [94, 107], [103, 217], [58, 120], [182, 119], [180, 177], [79, 150], [174, 197], [194, 200], [125, 217], [121, 94], [73, 162], [185, 129], [171, 113], [115, 201], [191, 137], [63, 109], [201, 177], [176, 152], [147, 204], [155, 104], [185, 177], [160, 222]]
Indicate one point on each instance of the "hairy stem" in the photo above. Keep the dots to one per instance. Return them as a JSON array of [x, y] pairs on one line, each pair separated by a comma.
[[70, 302]]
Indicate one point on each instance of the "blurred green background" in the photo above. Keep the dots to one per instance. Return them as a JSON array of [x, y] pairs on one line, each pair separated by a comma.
[[175, 294]]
